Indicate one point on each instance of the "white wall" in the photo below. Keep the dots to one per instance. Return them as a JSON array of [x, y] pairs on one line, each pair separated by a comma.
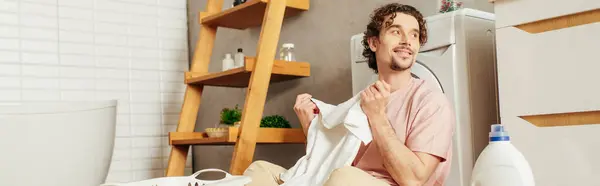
[[131, 50]]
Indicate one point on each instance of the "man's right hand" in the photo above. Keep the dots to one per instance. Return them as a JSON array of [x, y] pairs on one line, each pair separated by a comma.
[[305, 110]]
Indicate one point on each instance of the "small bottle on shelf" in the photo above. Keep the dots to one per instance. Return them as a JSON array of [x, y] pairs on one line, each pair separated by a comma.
[[228, 62], [286, 52], [239, 58]]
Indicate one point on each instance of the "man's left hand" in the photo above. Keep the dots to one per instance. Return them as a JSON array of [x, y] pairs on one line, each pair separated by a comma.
[[374, 99]]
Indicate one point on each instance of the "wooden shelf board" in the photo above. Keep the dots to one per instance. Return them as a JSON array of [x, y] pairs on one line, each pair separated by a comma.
[[265, 136], [250, 14], [240, 77]]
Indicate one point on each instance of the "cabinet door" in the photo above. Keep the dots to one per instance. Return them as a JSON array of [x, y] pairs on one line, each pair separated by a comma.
[[516, 12]]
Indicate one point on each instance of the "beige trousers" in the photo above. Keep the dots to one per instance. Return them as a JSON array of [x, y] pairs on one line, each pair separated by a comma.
[[267, 174]]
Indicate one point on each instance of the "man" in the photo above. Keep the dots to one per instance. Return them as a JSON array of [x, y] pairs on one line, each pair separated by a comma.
[[412, 123]]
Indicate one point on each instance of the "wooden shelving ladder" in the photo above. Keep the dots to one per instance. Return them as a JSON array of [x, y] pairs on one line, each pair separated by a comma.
[[256, 74]]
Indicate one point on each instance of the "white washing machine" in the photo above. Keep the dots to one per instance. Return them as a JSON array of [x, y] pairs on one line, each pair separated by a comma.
[[459, 58]]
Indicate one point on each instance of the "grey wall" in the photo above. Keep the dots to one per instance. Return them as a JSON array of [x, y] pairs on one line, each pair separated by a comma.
[[321, 37]]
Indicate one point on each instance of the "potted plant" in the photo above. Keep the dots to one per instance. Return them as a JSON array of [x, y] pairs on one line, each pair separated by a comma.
[[274, 121], [230, 117], [450, 5]]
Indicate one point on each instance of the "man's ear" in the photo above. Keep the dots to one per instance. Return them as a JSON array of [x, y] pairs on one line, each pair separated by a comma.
[[373, 42]]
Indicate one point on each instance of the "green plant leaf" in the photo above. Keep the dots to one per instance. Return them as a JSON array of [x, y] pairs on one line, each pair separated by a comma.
[[274, 121], [230, 116]]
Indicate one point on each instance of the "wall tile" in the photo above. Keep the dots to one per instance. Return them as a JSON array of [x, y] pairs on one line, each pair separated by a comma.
[[110, 95], [146, 119], [120, 165], [123, 119], [76, 37], [76, 25], [173, 13], [171, 3], [174, 65], [145, 97], [142, 20], [39, 21], [77, 95], [142, 9], [77, 3], [112, 84], [77, 84], [111, 39], [145, 130], [76, 48], [113, 51], [38, 9], [39, 46], [77, 72], [9, 44], [50, 2], [119, 176], [144, 53], [75, 13], [168, 76], [145, 75], [14, 82], [39, 58], [111, 17], [145, 153], [142, 31], [39, 33], [143, 42], [174, 98], [146, 108], [40, 71], [10, 95], [144, 64], [9, 6], [122, 154], [172, 87], [113, 62], [146, 142], [10, 69], [112, 6], [9, 56], [146, 164], [144, 86], [170, 119], [9, 18], [77, 60], [172, 23], [172, 33], [107, 73], [41, 95], [9, 31], [40, 83], [171, 108]]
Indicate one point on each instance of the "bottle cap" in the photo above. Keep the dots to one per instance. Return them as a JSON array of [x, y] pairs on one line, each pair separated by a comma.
[[239, 50], [228, 55], [498, 133], [288, 45]]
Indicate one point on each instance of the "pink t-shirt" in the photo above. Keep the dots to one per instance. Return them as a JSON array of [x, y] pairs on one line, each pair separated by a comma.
[[423, 120]]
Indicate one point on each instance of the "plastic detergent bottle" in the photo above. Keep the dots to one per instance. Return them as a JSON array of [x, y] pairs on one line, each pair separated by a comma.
[[500, 163]]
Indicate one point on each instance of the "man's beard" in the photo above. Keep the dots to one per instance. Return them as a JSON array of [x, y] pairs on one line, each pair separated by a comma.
[[395, 66]]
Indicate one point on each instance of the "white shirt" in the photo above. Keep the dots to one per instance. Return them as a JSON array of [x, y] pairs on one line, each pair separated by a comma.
[[333, 140]]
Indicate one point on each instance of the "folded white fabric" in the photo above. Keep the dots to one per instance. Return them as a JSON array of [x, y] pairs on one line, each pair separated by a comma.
[[333, 140]]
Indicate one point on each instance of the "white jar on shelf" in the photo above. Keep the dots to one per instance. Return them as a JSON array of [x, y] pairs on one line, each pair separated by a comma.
[[286, 53]]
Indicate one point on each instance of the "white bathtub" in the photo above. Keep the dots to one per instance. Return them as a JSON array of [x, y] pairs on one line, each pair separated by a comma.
[[64, 143]]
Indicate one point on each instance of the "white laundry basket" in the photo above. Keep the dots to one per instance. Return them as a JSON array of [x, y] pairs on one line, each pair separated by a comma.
[[229, 180]]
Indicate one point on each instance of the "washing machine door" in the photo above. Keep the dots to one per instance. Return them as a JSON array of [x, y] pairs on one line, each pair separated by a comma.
[[421, 71]]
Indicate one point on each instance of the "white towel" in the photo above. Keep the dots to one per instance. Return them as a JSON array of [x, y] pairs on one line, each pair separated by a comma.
[[333, 140]]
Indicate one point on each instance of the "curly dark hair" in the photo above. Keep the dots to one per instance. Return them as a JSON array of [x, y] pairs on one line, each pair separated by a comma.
[[377, 22]]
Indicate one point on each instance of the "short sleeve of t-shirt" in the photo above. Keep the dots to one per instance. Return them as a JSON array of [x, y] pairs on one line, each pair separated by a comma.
[[433, 126]]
